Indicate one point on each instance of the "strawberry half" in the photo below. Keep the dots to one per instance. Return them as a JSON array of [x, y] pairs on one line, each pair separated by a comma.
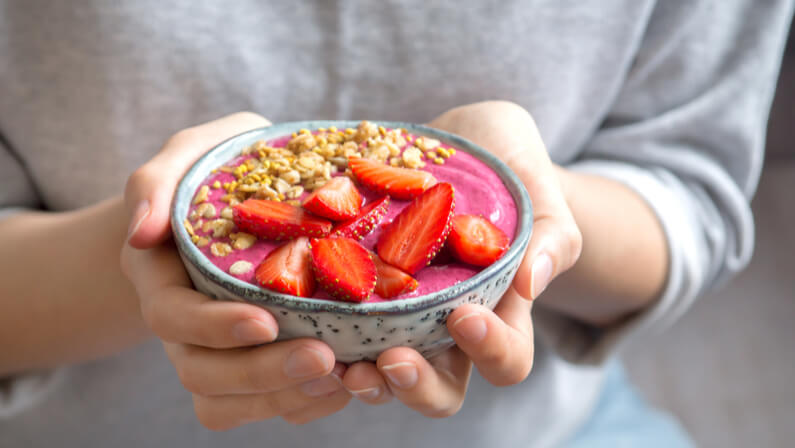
[[419, 231], [391, 281], [337, 200], [343, 268], [368, 218], [475, 240], [400, 183], [278, 220], [287, 269]]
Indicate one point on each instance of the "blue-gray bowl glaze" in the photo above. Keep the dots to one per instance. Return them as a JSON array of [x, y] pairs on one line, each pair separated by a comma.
[[354, 331]]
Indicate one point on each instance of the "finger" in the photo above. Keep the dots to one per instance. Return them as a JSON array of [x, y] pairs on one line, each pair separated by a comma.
[[499, 343], [268, 368], [177, 313], [556, 242], [150, 188], [228, 411], [364, 382], [433, 388], [322, 408]]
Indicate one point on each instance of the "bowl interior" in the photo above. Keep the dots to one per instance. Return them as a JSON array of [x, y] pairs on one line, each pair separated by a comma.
[[230, 148]]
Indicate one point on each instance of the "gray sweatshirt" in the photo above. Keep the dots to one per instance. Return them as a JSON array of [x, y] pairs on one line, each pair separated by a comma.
[[668, 97]]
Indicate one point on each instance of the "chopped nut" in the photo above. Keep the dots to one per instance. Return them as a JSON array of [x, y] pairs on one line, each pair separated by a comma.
[[292, 177], [364, 131], [221, 227], [207, 226], [314, 183], [295, 192], [201, 196], [227, 213], [194, 215], [240, 267], [294, 202], [206, 210], [220, 249], [339, 161], [202, 241], [242, 240], [281, 186], [267, 192], [412, 157], [189, 228], [426, 143]]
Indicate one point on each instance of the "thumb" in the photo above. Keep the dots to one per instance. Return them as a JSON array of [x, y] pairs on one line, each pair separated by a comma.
[[150, 188], [556, 242]]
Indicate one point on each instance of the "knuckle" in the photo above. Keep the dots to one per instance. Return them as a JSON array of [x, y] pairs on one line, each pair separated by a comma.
[[184, 138], [446, 412], [572, 238], [190, 380], [255, 378], [252, 117], [296, 419], [141, 177], [210, 419]]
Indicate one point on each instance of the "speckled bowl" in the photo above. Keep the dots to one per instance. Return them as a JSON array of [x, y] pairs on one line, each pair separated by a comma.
[[354, 331]]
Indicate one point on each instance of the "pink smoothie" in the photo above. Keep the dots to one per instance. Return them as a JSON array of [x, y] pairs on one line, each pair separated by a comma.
[[478, 191]]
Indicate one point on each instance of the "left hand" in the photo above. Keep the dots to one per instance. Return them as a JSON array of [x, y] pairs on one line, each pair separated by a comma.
[[499, 342]]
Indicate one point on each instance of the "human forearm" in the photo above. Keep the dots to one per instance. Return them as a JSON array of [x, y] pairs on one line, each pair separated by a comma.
[[624, 261], [63, 297]]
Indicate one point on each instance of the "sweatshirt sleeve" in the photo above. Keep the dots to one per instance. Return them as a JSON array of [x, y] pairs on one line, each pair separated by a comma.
[[16, 188], [687, 133], [17, 193]]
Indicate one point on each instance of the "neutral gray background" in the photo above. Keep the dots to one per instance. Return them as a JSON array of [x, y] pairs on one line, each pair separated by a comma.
[[727, 368]]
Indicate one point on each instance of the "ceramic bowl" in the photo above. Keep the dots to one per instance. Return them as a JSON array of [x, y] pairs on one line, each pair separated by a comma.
[[354, 331]]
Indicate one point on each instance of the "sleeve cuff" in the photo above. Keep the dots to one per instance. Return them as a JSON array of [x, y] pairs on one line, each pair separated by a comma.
[[580, 343], [20, 392]]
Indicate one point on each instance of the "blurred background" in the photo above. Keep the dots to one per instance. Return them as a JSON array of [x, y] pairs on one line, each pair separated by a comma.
[[727, 368]]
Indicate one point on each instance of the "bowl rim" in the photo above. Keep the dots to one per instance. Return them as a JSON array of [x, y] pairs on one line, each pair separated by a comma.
[[254, 294]]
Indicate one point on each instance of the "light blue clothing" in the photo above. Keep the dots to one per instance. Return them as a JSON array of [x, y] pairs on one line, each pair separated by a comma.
[[623, 419]]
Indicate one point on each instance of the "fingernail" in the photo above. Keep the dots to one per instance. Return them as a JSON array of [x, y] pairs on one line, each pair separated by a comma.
[[471, 327], [320, 386], [541, 275], [304, 362], [371, 393], [253, 331], [401, 374], [140, 214], [338, 372]]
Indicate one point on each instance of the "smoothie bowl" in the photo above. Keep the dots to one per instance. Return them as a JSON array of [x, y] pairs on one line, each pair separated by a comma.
[[363, 235]]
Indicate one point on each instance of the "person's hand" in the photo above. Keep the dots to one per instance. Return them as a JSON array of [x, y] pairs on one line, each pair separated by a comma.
[[215, 345], [499, 342]]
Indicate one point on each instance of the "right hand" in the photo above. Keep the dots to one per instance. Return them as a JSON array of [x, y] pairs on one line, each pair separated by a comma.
[[215, 345]]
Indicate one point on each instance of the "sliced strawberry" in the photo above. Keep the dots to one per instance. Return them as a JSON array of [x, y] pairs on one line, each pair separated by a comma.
[[337, 200], [365, 222], [391, 281], [278, 220], [287, 269], [343, 268], [400, 183], [416, 234], [475, 240]]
